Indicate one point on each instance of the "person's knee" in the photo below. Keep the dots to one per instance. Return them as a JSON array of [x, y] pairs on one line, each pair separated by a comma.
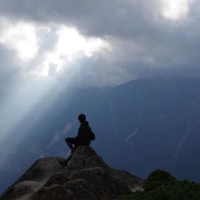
[[69, 140]]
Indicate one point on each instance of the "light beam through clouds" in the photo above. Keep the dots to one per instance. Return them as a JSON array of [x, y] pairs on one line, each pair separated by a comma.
[[43, 69]]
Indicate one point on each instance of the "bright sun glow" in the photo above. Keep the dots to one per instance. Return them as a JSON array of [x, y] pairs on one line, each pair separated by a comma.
[[20, 37], [175, 9]]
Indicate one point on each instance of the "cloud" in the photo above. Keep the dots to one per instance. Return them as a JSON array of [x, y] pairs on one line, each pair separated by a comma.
[[157, 34], [175, 10], [96, 17]]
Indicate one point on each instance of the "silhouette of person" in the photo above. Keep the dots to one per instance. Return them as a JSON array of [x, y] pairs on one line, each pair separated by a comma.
[[84, 136]]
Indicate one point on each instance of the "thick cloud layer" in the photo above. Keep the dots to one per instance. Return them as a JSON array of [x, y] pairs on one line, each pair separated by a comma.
[[150, 35]]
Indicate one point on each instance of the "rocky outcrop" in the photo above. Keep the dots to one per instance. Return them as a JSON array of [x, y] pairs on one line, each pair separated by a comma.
[[85, 177]]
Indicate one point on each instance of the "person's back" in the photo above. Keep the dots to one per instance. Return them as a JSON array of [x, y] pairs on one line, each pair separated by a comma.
[[83, 136]]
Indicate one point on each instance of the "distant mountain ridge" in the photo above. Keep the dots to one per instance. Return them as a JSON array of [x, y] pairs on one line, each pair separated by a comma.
[[140, 126]]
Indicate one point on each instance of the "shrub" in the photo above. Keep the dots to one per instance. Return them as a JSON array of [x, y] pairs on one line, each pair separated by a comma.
[[160, 185], [158, 178]]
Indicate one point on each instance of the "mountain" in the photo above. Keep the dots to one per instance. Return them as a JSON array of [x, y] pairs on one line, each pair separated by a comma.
[[85, 177], [140, 126]]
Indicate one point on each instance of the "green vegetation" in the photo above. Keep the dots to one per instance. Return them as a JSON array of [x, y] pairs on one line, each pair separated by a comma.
[[160, 185]]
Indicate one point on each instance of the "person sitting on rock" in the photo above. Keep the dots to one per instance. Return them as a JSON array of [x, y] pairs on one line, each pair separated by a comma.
[[84, 136]]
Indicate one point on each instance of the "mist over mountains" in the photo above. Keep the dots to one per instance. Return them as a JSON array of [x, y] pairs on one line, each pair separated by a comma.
[[140, 126]]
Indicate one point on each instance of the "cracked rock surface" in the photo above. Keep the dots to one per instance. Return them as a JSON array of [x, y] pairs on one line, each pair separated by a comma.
[[86, 177]]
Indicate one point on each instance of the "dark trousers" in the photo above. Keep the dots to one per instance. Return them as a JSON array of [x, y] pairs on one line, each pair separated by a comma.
[[72, 143]]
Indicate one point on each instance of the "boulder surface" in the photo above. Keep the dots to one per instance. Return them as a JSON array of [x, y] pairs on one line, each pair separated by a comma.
[[85, 177]]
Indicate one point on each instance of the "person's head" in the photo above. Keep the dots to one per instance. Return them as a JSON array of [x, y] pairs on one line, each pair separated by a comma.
[[82, 118]]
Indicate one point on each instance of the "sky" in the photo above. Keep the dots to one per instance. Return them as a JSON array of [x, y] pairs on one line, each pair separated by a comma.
[[51, 45]]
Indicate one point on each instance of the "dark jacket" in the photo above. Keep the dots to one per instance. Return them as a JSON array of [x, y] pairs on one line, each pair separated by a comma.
[[83, 136]]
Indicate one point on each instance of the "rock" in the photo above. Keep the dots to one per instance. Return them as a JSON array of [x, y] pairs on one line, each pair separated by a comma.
[[81, 190], [56, 192], [134, 183], [59, 179], [85, 157], [43, 168], [34, 178], [86, 177], [18, 191], [100, 180], [21, 189]]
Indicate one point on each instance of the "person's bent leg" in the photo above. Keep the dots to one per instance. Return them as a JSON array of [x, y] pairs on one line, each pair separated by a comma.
[[70, 142]]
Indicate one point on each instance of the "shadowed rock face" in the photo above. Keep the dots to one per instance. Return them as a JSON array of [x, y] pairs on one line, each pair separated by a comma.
[[85, 157], [86, 177]]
